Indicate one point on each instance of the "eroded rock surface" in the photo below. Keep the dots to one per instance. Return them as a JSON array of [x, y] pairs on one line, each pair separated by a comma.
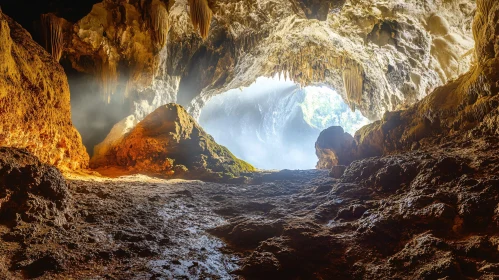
[[418, 215], [466, 105], [426, 214], [34, 101], [30, 191], [378, 55], [169, 142]]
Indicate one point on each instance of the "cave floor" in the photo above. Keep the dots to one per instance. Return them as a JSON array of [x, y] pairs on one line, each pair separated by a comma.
[[139, 227], [426, 214]]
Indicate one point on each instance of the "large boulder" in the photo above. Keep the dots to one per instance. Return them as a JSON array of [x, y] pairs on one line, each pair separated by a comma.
[[331, 147], [31, 191], [169, 142], [34, 101]]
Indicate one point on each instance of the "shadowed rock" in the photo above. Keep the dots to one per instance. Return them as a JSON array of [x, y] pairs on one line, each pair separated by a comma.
[[332, 148], [30, 191]]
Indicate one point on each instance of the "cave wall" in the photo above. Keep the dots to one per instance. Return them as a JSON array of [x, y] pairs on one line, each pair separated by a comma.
[[467, 106], [35, 101], [379, 56]]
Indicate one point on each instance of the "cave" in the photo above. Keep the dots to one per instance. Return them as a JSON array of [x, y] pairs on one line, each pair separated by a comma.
[[273, 124], [200, 139]]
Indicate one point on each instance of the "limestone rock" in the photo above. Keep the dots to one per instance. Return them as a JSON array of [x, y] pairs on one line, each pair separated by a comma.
[[169, 142], [31, 191], [34, 101], [378, 55], [467, 105], [330, 147]]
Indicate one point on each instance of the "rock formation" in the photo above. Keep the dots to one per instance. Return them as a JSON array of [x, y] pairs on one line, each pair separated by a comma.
[[379, 56], [53, 35], [170, 143], [416, 215], [329, 146], [467, 105], [30, 191], [415, 194], [34, 101]]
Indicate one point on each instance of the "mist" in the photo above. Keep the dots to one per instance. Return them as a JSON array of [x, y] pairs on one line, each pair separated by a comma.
[[273, 124]]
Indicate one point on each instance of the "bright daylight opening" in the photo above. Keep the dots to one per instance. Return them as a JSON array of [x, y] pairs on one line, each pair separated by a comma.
[[273, 124]]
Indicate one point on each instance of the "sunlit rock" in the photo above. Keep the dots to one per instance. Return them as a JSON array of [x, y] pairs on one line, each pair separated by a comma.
[[379, 56], [170, 143], [34, 101], [467, 105]]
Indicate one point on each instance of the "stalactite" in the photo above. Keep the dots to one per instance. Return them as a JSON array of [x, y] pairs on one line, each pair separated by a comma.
[[52, 35], [201, 15], [108, 76], [159, 22], [353, 81]]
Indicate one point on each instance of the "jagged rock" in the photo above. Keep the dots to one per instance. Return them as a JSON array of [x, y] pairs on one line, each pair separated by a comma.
[[31, 191], [330, 147], [34, 101], [171, 143], [465, 105], [337, 171], [378, 55]]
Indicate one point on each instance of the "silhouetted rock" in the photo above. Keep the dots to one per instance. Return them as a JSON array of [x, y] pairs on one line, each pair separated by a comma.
[[333, 147]]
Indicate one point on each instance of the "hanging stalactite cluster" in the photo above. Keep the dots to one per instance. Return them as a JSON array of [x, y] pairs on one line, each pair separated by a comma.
[[308, 66], [109, 79], [52, 35], [159, 22], [353, 80], [246, 42], [312, 64], [200, 14]]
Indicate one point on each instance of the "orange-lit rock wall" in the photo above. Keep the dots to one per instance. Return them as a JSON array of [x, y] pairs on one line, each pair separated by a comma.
[[35, 101]]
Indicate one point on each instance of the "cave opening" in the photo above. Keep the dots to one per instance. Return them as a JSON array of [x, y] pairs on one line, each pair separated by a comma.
[[274, 123]]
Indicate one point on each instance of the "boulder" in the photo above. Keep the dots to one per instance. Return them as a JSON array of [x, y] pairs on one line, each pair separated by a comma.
[[31, 191], [170, 143], [333, 147]]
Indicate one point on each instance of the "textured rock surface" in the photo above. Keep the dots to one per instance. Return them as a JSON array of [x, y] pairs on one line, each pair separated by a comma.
[[418, 215], [379, 56], [170, 142], [30, 191], [427, 214], [467, 105], [330, 145], [34, 101]]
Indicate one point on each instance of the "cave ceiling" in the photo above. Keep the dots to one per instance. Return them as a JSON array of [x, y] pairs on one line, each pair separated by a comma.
[[378, 55]]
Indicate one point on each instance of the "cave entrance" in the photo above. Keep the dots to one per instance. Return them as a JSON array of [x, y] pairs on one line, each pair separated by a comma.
[[273, 124]]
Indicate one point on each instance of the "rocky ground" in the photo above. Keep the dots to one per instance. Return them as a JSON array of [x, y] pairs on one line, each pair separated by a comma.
[[418, 215]]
